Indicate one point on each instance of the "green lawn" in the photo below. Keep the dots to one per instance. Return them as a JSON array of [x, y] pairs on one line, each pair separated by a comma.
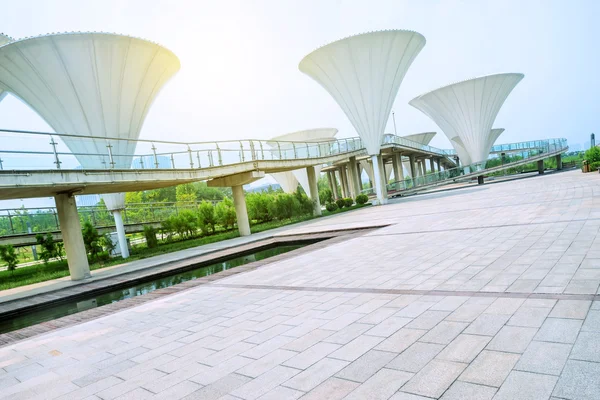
[[58, 269]]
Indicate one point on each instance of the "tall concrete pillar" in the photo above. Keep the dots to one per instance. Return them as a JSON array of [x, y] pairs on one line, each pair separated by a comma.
[[335, 186], [413, 168], [314, 190], [344, 180], [382, 176], [559, 162], [439, 165], [241, 212], [381, 197], [432, 165], [423, 169], [70, 228], [121, 233], [329, 180], [395, 167], [540, 165], [353, 169]]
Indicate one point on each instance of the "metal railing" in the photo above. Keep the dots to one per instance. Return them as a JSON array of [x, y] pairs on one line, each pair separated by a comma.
[[28, 150], [534, 149], [399, 140], [19, 221]]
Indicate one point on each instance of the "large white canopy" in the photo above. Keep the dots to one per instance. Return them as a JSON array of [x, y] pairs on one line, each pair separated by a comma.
[[466, 111], [4, 40], [289, 180], [421, 138], [363, 74], [91, 84]]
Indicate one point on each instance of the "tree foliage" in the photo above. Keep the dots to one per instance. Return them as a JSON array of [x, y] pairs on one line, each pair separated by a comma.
[[9, 256], [50, 247], [225, 213]]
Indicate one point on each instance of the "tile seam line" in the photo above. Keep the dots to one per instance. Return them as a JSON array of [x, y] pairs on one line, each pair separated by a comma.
[[440, 293], [477, 227]]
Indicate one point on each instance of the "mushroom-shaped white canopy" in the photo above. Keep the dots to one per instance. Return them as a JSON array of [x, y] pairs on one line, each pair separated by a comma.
[[363, 74], [3, 40], [420, 138], [289, 180], [463, 154], [89, 84], [466, 111]]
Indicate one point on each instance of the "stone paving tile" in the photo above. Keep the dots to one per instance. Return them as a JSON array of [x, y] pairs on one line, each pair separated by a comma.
[[468, 391], [576, 309], [264, 383], [587, 347], [311, 355], [434, 379], [512, 339], [331, 389], [525, 385], [559, 330], [529, 317], [366, 366], [356, 348], [487, 324], [490, 368], [579, 380], [281, 392], [464, 348], [416, 357], [400, 340], [444, 332], [544, 358], [381, 385], [316, 374]]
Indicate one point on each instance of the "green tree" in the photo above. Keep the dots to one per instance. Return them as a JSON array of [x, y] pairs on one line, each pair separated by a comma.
[[92, 240], [50, 247], [225, 213], [185, 193], [206, 217], [9, 256]]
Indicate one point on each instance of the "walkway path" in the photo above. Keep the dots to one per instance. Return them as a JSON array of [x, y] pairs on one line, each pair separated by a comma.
[[464, 295]]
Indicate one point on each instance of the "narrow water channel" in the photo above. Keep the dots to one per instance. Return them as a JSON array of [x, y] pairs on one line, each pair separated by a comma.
[[68, 307]]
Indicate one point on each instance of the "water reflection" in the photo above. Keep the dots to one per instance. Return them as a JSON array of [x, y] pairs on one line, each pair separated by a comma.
[[60, 310]]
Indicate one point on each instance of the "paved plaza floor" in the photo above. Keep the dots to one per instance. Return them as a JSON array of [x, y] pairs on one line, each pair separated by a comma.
[[487, 292]]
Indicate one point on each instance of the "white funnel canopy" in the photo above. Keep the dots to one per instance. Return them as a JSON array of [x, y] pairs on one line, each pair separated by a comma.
[[4, 40], [300, 175], [467, 110], [92, 84], [463, 154], [421, 138], [363, 74]]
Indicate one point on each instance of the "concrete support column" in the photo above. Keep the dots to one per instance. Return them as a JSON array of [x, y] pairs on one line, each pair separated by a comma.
[[381, 198], [335, 186], [344, 179], [395, 162], [382, 176], [354, 177], [423, 168], [559, 162], [413, 168], [70, 228], [239, 201], [121, 233], [329, 180], [480, 180], [314, 190], [540, 165]]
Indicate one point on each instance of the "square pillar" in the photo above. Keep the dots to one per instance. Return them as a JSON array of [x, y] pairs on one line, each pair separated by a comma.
[[344, 181], [335, 186], [241, 212], [559, 162], [314, 190], [70, 228], [382, 176], [540, 165], [413, 168], [395, 162]]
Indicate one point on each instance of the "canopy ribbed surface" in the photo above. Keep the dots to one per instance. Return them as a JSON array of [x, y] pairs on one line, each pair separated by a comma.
[[466, 111], [363, 74], [4, 40], [89, 84]]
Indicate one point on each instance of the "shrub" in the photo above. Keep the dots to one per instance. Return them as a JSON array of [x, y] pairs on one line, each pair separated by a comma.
[[150, 235], [9, 256], [594, 166], [258, 206], [593, 154], [325, 196], [50, 247], [305, 204], [225, 213], [283, 206], [91, 240], [362, 199], [331, 207], [348, 202], [340, 203], [206, 217]]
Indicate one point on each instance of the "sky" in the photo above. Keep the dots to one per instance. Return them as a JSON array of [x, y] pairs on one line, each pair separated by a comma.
[[239, 76]]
